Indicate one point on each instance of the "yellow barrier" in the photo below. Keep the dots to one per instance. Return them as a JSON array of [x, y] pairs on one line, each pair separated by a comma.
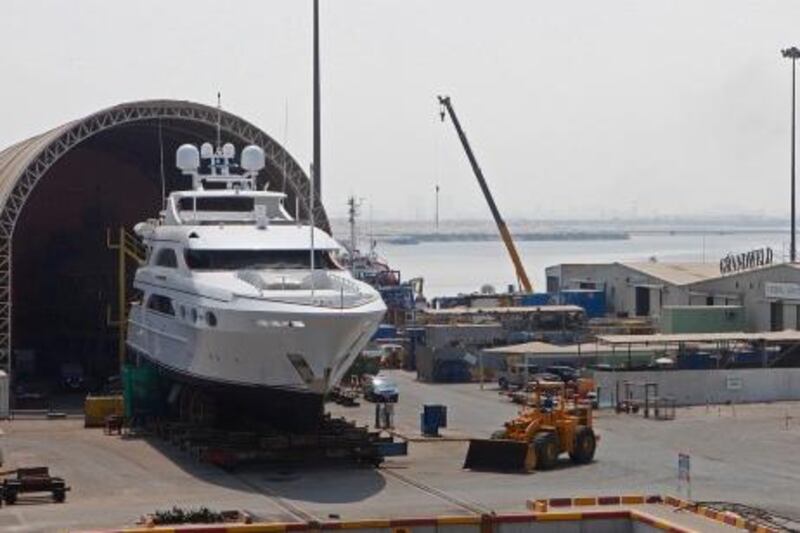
[[97, 408]]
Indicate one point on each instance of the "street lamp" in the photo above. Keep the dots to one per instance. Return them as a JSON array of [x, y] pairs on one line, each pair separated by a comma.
[[794, 54]]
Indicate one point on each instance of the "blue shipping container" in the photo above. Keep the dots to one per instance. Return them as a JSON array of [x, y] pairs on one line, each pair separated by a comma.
[[536, 298], [592, 301], [385, 331], [696, 361]]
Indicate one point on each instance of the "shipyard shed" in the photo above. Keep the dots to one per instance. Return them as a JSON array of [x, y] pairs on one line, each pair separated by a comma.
[[550, 321], [61, 190], [769, 296], [449, 351], [701, 318], [580, 355]]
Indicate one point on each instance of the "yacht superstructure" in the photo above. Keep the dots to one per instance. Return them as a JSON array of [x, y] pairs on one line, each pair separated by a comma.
[[239, 297]]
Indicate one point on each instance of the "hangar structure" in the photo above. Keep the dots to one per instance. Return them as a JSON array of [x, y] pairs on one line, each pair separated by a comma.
[[59, 193]]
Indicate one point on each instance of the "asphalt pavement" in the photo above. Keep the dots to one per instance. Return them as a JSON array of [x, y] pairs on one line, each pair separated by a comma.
[[745, 454]]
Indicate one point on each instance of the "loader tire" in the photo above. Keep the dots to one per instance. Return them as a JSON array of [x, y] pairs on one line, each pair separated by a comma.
[[585, 445], [545, 446]]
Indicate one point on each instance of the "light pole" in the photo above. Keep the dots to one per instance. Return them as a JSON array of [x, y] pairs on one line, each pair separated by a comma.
[[317, 119], [792, 53]]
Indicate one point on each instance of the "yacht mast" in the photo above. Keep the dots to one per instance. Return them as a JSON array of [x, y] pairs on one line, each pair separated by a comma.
[[352, 213]]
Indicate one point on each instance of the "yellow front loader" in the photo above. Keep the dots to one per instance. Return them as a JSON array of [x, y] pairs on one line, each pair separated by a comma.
[[553, 424]]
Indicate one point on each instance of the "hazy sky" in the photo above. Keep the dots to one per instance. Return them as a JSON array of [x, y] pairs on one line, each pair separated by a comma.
[[575, 109]]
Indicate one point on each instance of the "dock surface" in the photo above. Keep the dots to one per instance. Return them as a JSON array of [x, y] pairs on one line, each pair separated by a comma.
[[744, 454]]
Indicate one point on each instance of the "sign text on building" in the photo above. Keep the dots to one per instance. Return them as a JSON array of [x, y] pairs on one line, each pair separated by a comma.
[[746, 260]]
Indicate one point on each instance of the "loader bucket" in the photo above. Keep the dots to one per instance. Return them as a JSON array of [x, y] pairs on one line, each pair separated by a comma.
[[500, 455]]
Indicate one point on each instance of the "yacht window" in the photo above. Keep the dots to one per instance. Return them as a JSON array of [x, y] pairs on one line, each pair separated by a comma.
[[135, 295], [166, 258], [236, 204], [258, 259], [160, 303]]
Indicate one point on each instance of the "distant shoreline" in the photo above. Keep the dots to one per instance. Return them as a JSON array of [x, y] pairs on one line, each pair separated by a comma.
[[417, 238], [555, 236]]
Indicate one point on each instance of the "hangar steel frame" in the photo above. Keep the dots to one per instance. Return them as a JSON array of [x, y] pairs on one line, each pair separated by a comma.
[[79, 131]]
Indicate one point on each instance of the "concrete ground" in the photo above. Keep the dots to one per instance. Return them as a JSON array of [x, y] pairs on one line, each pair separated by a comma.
[[742, 454]]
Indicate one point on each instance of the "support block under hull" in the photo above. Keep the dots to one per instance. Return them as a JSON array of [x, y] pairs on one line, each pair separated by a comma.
[[280, 408]]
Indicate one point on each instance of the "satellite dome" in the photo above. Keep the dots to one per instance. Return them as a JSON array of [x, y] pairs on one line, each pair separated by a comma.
[[187, 158], [253, 158], [206, 151]]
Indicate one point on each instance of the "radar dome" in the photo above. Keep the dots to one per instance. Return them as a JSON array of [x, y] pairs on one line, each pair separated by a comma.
[[228, 151], [206, 151], [187, 158], [253, 158]]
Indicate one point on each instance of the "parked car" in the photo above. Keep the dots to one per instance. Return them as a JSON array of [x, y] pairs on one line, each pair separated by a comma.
[[381, 389], [514, 376], [541, 377], [566, 373]]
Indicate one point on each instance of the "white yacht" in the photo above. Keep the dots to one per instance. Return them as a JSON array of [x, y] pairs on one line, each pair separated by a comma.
[[240, 298]]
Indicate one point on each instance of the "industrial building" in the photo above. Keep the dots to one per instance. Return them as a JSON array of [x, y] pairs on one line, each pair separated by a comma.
[[61, 191], [452, 338], [765, 298]]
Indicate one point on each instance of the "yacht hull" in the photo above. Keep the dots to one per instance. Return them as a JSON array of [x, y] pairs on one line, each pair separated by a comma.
[[276, 364]]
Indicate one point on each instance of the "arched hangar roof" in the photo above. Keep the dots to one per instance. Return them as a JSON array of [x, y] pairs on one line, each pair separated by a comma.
[[24, 163]]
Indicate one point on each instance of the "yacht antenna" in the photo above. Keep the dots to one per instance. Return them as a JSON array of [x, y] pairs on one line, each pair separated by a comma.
[[371, 232], [161, 165], [285, 140], [219, 121], [352, 213]]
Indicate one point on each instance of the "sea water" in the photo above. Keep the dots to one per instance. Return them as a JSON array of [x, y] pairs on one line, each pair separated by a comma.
[[454, 267]]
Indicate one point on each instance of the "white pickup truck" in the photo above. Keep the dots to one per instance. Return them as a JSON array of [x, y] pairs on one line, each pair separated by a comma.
[[515, 375]]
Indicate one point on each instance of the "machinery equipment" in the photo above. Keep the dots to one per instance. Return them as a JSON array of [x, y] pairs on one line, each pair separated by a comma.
[[555, 423], [522, 276], [34, 479]]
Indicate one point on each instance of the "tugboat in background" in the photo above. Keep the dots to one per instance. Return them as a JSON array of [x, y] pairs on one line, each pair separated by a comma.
[[402, 298]]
